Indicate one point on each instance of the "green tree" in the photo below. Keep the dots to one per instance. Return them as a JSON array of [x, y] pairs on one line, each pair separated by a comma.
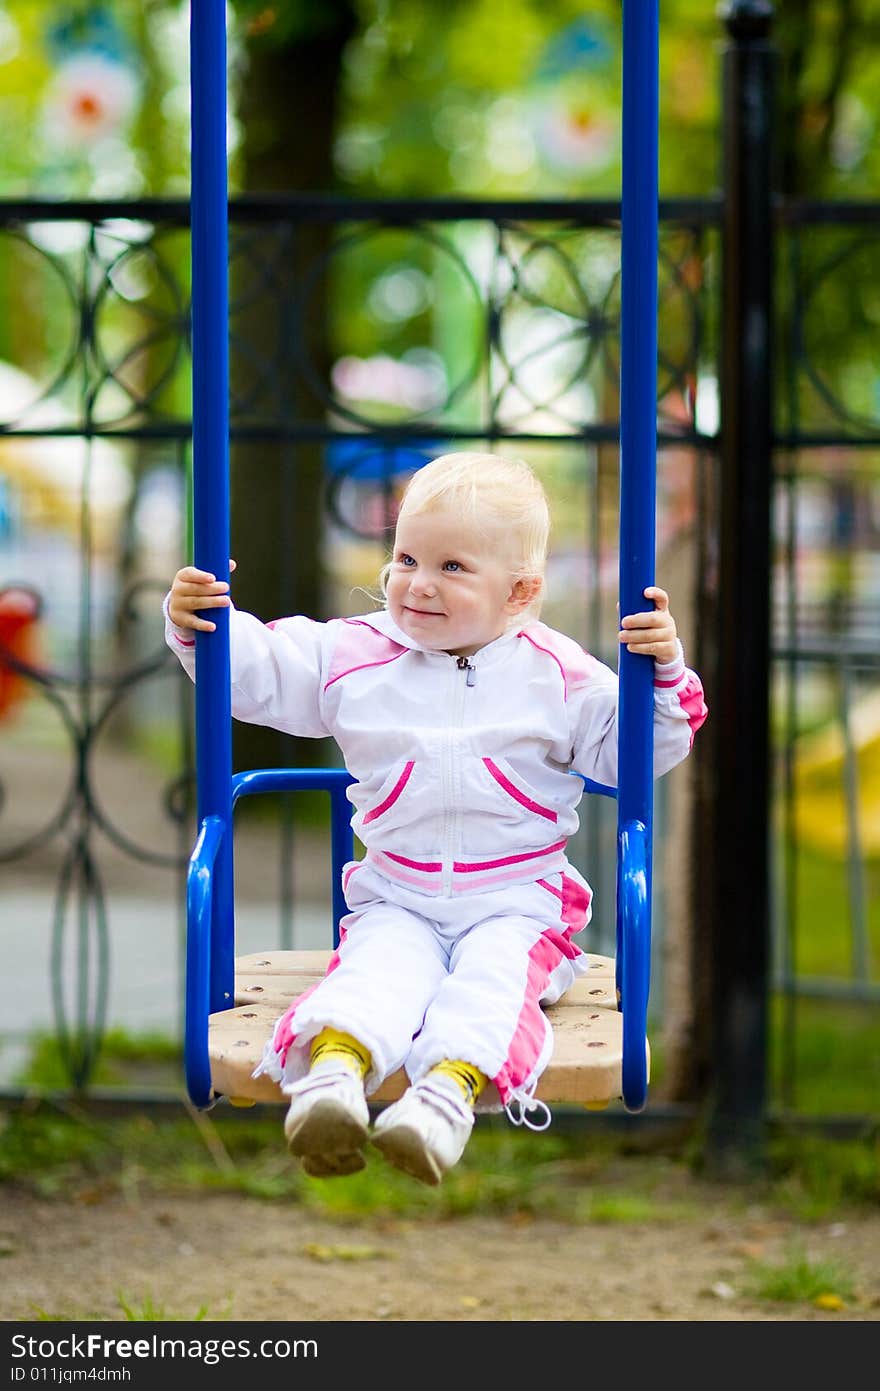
[[830, 67]]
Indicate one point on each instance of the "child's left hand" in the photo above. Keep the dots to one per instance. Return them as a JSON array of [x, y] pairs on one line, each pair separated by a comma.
[[652, 634]]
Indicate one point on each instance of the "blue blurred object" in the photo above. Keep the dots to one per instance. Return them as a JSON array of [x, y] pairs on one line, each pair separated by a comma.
[[367, 459], [580, 45], [93, 29]]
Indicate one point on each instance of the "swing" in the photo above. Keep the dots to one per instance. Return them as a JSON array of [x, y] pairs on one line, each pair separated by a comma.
[[600, 1050]]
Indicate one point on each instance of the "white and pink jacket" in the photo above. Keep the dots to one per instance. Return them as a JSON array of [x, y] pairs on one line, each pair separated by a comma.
[[462, 765]]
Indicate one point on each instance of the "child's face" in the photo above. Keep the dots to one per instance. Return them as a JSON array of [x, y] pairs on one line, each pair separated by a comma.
[[448, 588]]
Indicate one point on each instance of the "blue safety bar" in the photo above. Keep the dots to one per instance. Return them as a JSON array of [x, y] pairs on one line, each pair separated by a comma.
[[210, 963], [204, 914], [210, 959], [638, 487]]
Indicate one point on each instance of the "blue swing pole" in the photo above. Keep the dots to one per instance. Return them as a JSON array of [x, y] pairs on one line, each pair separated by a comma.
[[638, 447], [210, 936]]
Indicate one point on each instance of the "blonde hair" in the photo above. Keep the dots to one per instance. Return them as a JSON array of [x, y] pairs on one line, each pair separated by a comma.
[[493, 494]]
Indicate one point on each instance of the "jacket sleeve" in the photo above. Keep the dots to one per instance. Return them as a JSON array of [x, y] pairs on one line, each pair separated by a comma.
[[679, 711], [275, 669]]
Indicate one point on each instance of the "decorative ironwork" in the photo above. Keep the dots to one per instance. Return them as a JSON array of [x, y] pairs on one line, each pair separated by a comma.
[[124, 362], [832, 315], [499, 322], [490, 322]]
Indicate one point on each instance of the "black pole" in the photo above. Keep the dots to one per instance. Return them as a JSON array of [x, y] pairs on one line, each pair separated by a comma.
[[741, 923]]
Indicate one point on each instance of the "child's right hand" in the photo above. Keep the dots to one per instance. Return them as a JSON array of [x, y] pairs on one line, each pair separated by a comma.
[[193, 590]]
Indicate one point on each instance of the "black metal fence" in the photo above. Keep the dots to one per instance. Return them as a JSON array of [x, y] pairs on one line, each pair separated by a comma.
[[528, 355], [826, 650]]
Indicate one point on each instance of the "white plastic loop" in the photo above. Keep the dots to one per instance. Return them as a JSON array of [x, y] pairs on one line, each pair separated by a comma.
[[524, 1102]]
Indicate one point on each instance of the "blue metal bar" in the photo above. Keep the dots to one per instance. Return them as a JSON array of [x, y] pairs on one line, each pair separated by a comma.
[[210, 352], [634, 959], [336, 781], [199, 902], [599, 789], [638, 446]]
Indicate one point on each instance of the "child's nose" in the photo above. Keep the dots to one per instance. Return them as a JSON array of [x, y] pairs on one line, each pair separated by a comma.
[[422, 584]]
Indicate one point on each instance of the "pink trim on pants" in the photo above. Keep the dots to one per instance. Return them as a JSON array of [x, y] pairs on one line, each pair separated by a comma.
[[530, 1036], [283, 1035]]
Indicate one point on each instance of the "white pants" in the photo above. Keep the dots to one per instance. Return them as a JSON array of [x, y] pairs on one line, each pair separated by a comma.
[[418, 978]]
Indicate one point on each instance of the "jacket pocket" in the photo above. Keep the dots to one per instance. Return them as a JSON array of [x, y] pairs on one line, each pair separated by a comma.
[[389, 792], [512, 787]]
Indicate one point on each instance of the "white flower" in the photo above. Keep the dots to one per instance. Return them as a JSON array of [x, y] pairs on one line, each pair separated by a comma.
[[573, 133], [90, 98], [414, 385]]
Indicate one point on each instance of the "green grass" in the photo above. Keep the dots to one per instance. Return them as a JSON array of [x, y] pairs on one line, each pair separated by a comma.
[[829, 1064], [125, 1059], [822, 945], [145, 1310], [813, 1177], [575, 1177], [801, 1281], [53, 1154], [628, 1209], [160, 745], [832, 1065]]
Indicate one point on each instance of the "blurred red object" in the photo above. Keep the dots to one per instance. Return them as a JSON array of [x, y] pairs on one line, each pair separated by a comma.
[[20, 609]]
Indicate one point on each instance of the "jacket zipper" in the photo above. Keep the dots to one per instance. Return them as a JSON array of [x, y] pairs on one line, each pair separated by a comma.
[[452, 774], [464, 665]]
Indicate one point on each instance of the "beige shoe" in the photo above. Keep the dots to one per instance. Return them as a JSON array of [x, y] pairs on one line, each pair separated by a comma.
[[326, 1124], [425, 1132]]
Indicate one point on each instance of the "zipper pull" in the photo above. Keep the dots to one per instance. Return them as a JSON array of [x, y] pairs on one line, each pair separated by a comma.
[[464, 665]]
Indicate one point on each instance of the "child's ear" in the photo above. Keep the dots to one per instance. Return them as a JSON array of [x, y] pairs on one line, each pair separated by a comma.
[[525, 590]]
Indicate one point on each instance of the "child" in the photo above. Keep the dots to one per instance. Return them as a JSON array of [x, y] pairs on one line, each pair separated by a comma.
[[461, 717]]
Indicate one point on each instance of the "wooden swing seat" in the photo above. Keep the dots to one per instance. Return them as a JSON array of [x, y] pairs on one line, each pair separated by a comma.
[[585, 1068]]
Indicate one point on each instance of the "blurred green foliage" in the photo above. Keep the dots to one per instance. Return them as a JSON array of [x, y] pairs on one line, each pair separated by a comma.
[[438, 97]]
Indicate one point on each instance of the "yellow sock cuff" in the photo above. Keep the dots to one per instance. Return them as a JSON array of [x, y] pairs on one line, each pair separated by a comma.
[[469, 1078], [331, 1045]]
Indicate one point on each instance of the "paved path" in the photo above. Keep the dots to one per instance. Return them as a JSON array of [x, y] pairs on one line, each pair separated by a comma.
[[145, 961], [143, 900]]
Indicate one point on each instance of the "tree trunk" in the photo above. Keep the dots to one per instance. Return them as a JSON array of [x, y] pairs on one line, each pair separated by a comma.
[[288, 105]]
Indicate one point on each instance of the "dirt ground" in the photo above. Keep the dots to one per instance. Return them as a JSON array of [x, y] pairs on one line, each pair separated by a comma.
[[240, 1258]]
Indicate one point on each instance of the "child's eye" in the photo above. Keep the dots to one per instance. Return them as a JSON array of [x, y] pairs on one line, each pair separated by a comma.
[[405, 560], [452, 565]]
